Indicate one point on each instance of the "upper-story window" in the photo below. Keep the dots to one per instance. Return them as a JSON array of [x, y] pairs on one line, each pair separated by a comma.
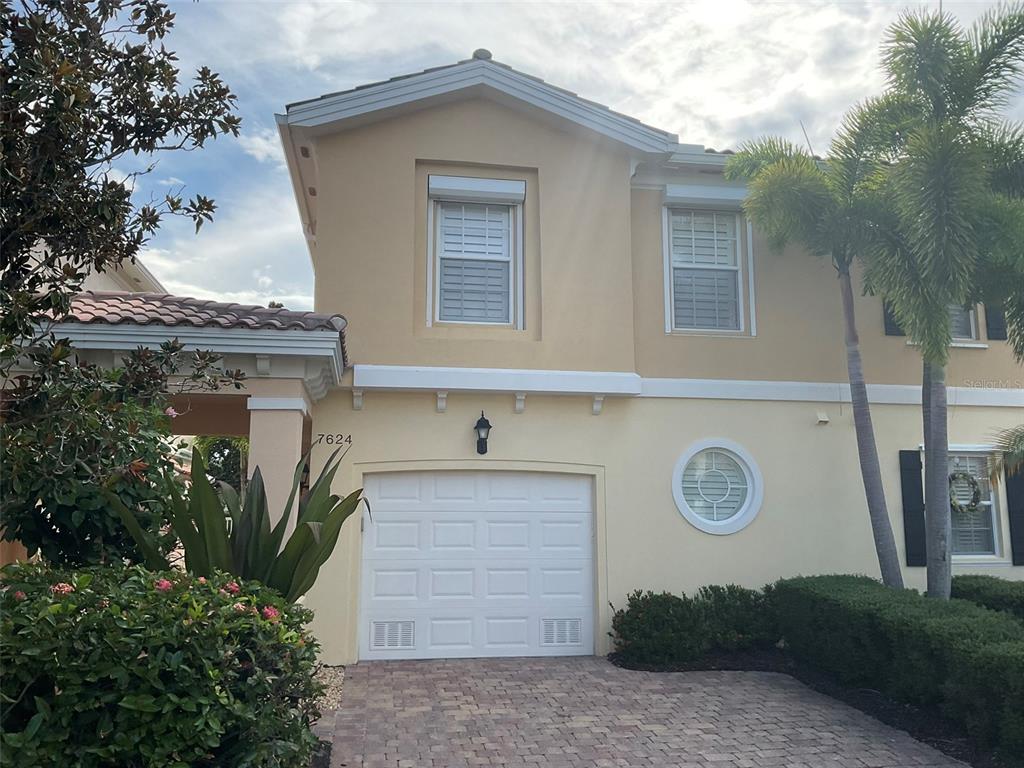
[[704, 254], [963, 323], [476, 267]]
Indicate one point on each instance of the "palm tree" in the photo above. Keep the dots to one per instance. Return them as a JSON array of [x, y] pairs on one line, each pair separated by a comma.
[[794, 197], [945, 212], [1009, 456]]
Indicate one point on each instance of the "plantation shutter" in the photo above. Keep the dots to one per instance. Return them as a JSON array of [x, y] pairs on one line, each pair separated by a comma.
[[961, 322], [913, 507], [475, 252], [995, 321], [892, 327], [704, 298], [705, 270], [1015, 509]]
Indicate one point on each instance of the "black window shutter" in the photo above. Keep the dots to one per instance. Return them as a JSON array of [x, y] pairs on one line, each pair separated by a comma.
[[892, 328], [1015, 502], [995, 321], [913, 507]]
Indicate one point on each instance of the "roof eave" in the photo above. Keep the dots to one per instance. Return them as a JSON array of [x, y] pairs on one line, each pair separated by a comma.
[[291, 158], [337, 108]]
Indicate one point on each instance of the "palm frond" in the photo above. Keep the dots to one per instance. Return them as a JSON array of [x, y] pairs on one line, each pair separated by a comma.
[[996, 46], [871, 136], [935, 185], [1009, 453], [1003, 145], [789, 200], [1013, 309], [754, 156], [923, 53]]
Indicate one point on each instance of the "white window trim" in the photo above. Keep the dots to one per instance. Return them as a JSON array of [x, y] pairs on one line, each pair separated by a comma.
[[476, 189], [755, 487], [516, 229], [666, 239]]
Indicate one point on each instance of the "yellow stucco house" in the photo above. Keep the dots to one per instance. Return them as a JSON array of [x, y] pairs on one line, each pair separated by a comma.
[[666, 395]]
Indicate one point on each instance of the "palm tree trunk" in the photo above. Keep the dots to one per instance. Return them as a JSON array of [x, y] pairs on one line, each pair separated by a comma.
[[867, 451], [938, 522]]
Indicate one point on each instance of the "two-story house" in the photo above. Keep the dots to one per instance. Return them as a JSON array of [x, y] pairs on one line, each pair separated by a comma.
[[666, 394]]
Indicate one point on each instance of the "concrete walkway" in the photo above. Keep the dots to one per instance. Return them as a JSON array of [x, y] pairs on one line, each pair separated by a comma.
[[582, 711]]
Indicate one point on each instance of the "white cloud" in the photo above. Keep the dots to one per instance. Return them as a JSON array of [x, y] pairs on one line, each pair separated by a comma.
[[717, 72], [171, 181], [261, 226], [263, 144]]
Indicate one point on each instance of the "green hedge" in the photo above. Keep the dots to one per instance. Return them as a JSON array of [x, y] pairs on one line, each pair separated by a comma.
[[956, 655], [666, 630], [991, 592], [127, 667]]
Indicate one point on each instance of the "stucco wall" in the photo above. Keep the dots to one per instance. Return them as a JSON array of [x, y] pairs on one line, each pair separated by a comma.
[[370, 252], [594, 268], [799, 322], [812, 520]]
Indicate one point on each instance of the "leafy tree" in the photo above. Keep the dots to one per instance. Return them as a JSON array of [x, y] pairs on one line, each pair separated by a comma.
[[87, 84], [948, 208], [79, 428], [227, 459], [793, 197]]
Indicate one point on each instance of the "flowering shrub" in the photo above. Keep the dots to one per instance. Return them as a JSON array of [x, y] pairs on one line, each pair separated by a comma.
[[124, 666]]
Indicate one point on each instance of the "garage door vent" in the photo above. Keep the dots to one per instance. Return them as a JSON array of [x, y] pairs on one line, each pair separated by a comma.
[[392, 635], [561, 631]]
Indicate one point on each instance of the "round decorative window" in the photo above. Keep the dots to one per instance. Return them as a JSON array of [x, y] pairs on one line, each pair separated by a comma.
[[717, 486]]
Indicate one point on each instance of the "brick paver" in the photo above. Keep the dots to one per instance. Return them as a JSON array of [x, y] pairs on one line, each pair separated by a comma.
[[565, 713]]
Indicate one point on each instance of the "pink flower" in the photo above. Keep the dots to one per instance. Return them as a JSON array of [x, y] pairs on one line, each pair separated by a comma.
[[19, 595], [169, 411], [270, 613], [222, 591], [240, 608], [62, 589], [201, 579], [163, 585], [232, 587]]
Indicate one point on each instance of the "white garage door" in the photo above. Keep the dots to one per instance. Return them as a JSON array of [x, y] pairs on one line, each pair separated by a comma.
[[459, 564]]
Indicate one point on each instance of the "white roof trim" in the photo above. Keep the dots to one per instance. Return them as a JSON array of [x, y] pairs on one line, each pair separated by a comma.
[[471, 188], [730, 198], [477, 73], [400, 377], [320, 347], [278, 404], [437, 379], [692, 154]]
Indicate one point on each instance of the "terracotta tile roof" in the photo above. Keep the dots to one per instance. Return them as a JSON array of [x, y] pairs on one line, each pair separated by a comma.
[[122, 307]]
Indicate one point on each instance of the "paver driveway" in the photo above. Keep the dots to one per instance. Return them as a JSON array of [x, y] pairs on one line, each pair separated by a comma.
[[564, 713]]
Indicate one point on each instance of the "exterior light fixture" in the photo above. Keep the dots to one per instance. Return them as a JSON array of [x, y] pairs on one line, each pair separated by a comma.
[[483, 430]]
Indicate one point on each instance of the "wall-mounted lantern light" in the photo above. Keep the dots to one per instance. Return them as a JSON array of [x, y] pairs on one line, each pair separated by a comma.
[[483, 430]]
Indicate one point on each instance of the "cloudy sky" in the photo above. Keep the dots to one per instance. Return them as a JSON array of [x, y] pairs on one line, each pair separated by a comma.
[[714, 71]]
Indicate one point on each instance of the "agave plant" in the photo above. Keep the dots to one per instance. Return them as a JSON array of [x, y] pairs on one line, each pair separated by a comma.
[[221, 531]]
